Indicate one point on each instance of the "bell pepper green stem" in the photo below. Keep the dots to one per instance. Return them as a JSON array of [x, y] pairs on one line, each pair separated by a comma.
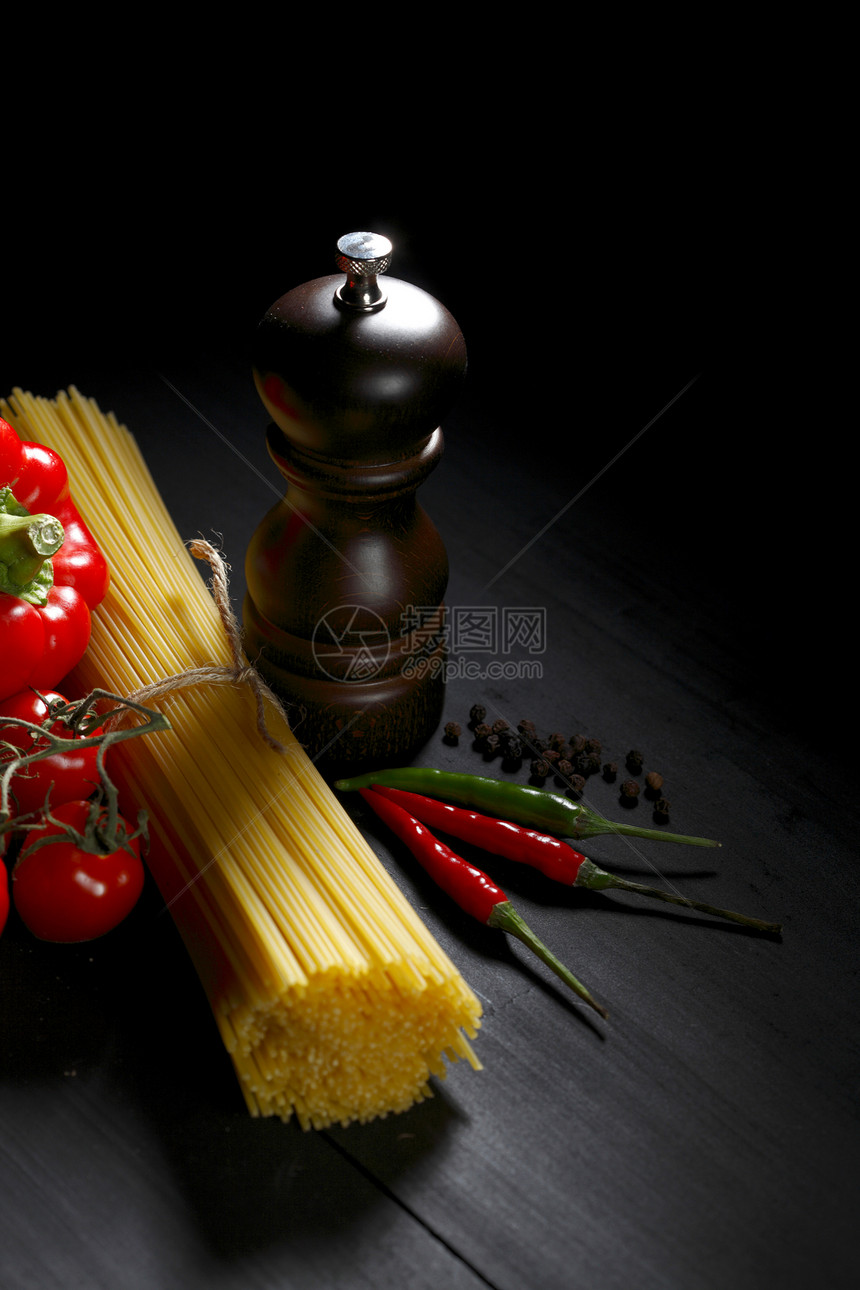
[[26, 542], [594, 878], [506, 917]]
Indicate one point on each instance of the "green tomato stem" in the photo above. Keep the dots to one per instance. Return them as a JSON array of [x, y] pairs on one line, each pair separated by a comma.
[[76, 714]]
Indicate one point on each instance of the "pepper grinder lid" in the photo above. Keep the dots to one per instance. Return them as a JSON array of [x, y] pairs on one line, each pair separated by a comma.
[[362, 257], [356, 370]]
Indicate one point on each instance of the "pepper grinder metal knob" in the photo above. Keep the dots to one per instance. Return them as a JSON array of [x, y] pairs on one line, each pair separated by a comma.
[[362, 257], [346, 575]]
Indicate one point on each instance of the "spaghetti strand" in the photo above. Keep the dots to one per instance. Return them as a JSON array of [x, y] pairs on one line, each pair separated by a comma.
[[334, 1001]]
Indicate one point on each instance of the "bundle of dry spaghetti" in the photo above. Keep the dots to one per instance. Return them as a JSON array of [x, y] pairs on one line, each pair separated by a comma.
[[331, 996]]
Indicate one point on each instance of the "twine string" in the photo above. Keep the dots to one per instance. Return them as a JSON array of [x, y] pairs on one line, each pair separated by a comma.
[[240, 673]]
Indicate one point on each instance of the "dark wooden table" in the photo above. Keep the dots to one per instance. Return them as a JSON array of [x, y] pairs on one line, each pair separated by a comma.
[[613, 465]]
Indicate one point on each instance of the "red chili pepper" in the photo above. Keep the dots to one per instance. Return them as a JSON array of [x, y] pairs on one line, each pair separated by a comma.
[[554, 858], [52, 573], [469, 886]]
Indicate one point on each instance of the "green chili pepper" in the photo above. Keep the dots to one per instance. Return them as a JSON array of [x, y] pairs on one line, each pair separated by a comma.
[[535, 807]]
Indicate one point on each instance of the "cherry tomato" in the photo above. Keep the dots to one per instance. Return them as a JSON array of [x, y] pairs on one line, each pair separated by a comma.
[[64, 893], [70, 776]]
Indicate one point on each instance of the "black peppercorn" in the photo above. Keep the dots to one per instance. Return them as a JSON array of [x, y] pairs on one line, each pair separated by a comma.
[[630, 789], [661, 809], [634, 762], [594, 746], [576, 784], [610, 772], [499, 726], [452, 733], [564, 769], [482, 732], [588, 763], [540, 768], [477, 714], [556, 741], [512, 747], [527, 729], [577, 743], [491, 745]]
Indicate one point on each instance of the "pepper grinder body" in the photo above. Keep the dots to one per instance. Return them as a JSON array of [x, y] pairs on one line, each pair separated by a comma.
[[346, 574]]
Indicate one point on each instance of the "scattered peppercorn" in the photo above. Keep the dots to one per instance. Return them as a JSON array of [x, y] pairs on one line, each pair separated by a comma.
[[571, 761], [481, 734], [588, 763]]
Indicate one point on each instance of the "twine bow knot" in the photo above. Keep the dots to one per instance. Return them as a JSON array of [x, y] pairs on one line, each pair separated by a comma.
[[239, 673]]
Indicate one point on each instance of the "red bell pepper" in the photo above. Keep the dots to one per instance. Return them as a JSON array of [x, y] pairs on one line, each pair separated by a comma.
[[52, 573]]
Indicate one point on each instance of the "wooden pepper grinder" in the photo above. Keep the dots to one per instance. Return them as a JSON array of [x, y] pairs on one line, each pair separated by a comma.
[[346, 575]]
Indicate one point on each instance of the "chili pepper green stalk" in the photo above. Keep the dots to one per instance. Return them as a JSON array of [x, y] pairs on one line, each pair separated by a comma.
[[534, 807], [506, 917], [593, 878]]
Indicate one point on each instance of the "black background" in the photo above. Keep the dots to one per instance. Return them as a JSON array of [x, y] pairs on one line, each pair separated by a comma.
[[628, 279], [594, 278]]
